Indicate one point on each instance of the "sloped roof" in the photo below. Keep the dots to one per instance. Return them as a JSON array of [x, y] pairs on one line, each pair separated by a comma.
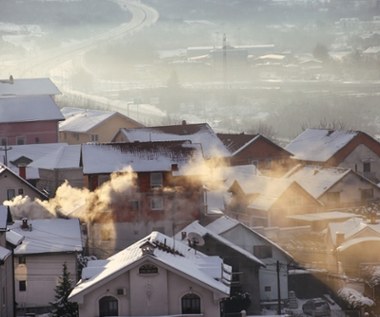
[[64, 157], [29, 109], [83, 120], [49, 236], [234, 141], [140, 156], [351, 227], [317, 180], [195, 226], [28, 87], [319, 145], [4, 253], [174, 255], [196, 133], [240, 173], [225, 223]]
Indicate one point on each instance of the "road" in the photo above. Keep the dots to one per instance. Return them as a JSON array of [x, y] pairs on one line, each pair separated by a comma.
[[48, 61]]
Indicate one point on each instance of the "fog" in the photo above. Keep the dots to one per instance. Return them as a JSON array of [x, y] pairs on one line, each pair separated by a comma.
[[273, 67]]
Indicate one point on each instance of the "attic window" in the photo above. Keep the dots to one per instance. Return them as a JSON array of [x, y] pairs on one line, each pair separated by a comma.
[[262, 251], [148, 269], [156, 180]]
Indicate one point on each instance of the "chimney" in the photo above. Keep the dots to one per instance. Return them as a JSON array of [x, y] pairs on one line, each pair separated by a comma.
[[11, 80], [24, 224], [339, 238], [184, 122], [183, 235], [372, 218], [174, 167]]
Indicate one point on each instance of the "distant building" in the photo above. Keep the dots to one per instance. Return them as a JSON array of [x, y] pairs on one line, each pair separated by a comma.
[[29, 113]]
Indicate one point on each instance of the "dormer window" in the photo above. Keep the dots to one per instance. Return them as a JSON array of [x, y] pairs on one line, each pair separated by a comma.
[[156, 180]]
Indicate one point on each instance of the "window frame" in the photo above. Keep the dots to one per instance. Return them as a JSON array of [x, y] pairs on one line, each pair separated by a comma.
[[190, 304], [156, 180], [22, 286], [105, 306], [154, 205]]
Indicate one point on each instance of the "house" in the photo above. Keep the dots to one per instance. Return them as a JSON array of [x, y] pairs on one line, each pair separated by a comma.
[[245, 265], [6, 266], [201, 133], [268, 157], [89, 125], [29, 113], [340, 148], [271, 254], [12, 185], [47, 244], [268, 201], [47, 166], [152, 186], [335, 187], [156, 275]]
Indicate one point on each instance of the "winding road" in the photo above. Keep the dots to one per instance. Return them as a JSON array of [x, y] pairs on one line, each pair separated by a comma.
[[46, 61]]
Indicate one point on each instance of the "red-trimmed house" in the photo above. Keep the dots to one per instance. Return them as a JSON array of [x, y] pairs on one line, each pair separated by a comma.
[[163, 196], [28, 111], [269, 158], [341, 148]]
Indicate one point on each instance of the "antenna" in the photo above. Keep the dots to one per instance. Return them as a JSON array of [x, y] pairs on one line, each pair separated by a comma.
[[195, 239]]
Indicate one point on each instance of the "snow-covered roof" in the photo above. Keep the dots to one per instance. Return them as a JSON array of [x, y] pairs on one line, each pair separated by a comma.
[[225, 223], [173, 255], [346, 245], [212, 146], [317, 180], [29, 109], [4, 253], [240, 173], [83, 120], [64, 157], [323, 216], [14, 238], [354, 298], [196, 227], [236, 142], [28, 87], [351, 227], [319, 145], [48, 236], [140, 156]]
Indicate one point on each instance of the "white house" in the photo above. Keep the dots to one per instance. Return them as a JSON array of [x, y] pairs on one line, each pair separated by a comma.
[[156, 276], [270, 253], [38, 261]]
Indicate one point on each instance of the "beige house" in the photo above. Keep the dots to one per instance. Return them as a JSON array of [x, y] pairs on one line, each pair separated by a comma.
[[38, 261], [156, 276], [87, 125]]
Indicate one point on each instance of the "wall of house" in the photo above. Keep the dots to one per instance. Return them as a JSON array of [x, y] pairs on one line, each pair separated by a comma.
[[149, 294], [52, 179], [268, 158], [293, 201], [32, 132], [104, 132], [362, 153], [247, 239], [350, 189], [43, 272], [9, 182], [6, 283]]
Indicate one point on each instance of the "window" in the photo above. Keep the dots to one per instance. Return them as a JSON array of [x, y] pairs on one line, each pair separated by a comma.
[[20, 191], [157, 203], [20, 140], [108, 306], [22, 286], [366, 167], [367, 194], [156, 180], [94, 138], [22, 259], [11, 193], [191, 304], [134, 205], [148, 269], [262, 251], [267, 288], [37, 140]]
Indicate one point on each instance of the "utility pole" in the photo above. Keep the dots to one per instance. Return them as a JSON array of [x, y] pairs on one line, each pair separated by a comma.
[[5, 149], [278, 288]]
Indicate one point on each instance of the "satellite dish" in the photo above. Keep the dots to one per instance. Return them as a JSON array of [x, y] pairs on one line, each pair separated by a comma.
[[195, 239]]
